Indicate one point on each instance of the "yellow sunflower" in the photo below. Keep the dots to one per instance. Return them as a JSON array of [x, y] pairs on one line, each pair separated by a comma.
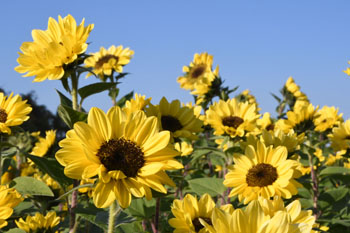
[[105, 61], [184, 148], [347, 71], [198, 73], [53, 49], [180, 121], [262, 172], [265, 122], [9, 198], [294, 89], [13, 111], [139, 102], [300, 119], [38, 222], [340, 136], [188, 213], [232, 118], [43, 145], [127, 153], [326, 118], [252, 219]]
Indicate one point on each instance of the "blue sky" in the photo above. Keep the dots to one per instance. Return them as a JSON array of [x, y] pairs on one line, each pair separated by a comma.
[[257, 45]]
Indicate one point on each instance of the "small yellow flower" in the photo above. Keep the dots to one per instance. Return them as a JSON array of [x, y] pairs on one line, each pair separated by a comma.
[[43, 145], [106, 61], [340, 136], [38, 222], [294, 89], [326, 118], [139, 102], [53, 49], [265, 122], [333, 158], [184, 148], [188, 213], [13, 111]]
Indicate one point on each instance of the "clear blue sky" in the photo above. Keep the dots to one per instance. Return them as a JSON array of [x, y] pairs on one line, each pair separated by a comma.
[[257, 44]]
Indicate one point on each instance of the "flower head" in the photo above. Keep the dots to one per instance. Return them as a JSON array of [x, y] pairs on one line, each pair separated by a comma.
[[13, 111], [42, 146], [126, 152], [262, 172], [139, 102], [38, 222], [51, 50], [9, 198], [106, 61], [232, 118], [340, 136], [326, 118]]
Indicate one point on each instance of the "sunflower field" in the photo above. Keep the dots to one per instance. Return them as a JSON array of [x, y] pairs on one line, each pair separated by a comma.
[[219, 164]]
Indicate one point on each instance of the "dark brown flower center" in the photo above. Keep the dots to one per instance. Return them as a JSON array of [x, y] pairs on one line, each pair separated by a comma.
[[170, 123], [104, 60], [261, 175], [197, 224], [232, 121], [121, 154], [3, 115], [270, 127], [347, 137], [198, 71]]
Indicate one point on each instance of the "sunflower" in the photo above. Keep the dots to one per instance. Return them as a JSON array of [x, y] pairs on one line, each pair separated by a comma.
[[300, 119], [13, 111], [9, 198], [184, 148], [199, 74], [188, 213], [42, 146], [105, 61], [340, 136], [127, 153], [139, 102], [262, 172], [326, 118], [265, 122], [180, 121], [39, 222], [232, 118], [294, 89], [252, 219], [52, 50]]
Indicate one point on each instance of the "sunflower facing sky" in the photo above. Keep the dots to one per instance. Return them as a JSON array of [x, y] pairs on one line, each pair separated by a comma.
[[181, 121], [262, 172], [51, 50], [126, 152], [232, 118], [105, 61], [42, 146], [13, 111], [188, 213]]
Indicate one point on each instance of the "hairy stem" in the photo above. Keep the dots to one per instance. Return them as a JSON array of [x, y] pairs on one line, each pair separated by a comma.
[[112, 215], [314, 188], [155, 223]]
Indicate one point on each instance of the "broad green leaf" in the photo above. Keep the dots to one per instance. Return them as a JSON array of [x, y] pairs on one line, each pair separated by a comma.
[[328, 171], [198, 153], [29, 186], [134, 227], [212, 186], [52, 168], [341, 222], [94, 88], [92, 219], [126, 97], [16, 230], [303, 192], [70, 116], [64, 99], [337, 193]]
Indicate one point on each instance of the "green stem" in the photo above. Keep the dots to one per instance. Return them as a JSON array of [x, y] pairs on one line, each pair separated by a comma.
[[74, 91], [114, 211]]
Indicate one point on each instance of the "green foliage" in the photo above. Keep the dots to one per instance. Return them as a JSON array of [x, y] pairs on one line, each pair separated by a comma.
[[31, 186]]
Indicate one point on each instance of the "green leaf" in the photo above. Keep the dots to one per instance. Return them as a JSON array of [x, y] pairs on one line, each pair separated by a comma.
[[337, 193], [70, 116], [141, 208], [29, 186], [126, 97], [16, 230], [64, 99], [276, 97], [94, 88], [52, 168], [92, 219], [198, 153], [64, 81], [341, 222], [212, 186], [328, 171]]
